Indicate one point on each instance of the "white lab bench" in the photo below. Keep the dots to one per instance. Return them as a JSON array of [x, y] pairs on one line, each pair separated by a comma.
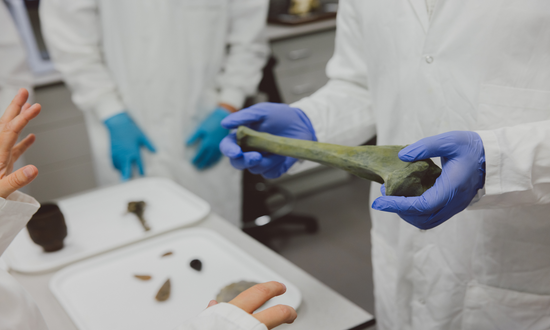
[[321, 308]]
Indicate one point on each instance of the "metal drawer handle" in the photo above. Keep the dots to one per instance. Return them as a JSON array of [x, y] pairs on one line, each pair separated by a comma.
[[302, 89], [299, 54]]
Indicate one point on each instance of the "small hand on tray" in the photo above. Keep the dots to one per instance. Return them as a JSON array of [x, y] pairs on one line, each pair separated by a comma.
[[253, 298]]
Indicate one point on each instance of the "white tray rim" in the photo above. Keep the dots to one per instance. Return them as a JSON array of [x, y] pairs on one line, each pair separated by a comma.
[[82, 265], [28, 269]]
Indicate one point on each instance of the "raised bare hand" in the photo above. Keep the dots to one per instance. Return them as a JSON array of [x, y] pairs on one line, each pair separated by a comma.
[[15, 118]]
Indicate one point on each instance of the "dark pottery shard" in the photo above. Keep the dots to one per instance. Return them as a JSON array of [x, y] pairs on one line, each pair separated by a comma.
[[143, 277], [164, 292], [167, 254], [138, 208], [196, 264], [231, 291], [375, 163], [47, 227]]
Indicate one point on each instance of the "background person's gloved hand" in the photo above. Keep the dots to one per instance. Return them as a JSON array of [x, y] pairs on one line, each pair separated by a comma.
[[210, 133], [126, 142], [274, 118], [463, 174]]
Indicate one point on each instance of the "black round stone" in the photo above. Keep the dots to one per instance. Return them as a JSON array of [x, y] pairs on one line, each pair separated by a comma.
[[196, 264]]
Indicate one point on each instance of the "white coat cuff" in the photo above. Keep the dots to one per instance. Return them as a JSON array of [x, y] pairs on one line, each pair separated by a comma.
[[19, 204], [493, 179], [15, 212], [224, 316], [233, 97], [108, 107]]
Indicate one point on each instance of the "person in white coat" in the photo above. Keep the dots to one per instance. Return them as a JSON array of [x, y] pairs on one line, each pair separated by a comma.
[[160, 75], [14, 71], [468, 82], [18, 311]]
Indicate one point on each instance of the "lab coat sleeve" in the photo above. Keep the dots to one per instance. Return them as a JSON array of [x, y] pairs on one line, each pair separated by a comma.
[[15, 212], [14, 71], [73, 34], [17, 308], [517, 161], [248, 51], [223, 316], [340, 112]]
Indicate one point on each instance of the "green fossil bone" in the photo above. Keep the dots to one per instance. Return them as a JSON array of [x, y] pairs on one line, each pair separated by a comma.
[[375, 163]]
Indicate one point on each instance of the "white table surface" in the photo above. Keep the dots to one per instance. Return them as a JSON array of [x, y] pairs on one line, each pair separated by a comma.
[[322, 308]]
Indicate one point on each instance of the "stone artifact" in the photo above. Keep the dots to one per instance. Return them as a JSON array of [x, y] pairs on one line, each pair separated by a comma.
[[164, 292], [375, 163], [143, 277], [138, 208], [233, 290], [47, 227], [196, 264]]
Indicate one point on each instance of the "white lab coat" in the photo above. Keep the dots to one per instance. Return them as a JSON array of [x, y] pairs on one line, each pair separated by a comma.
[[476, 65], [165, 62], [14, 71], [19, 312], [17, 309]]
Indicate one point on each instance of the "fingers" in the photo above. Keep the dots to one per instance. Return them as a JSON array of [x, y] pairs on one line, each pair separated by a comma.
[[139, 164], [21, 147], [196, 136], [276, 315], [17, 180], [148, 144], [212, 303], [15, 106], [10, 130], [256, 296], [442, 145], [229, 146], [383, 190], [207, 156], [26, 107], [247, 160], [126, 169], [247, 116]]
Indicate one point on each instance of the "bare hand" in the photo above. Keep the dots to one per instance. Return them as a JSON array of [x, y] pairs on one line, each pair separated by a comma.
[[253, 298], [15, 118]]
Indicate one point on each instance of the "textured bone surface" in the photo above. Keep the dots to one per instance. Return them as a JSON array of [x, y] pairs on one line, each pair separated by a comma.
[[376, 163], [233, 290]]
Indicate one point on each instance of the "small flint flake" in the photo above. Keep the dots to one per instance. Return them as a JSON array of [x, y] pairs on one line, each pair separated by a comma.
[[164, 292], [143, 277]]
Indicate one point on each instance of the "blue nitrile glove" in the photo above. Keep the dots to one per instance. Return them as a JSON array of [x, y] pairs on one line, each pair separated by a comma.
[[274, 118], [210, 133], [463, 174], [126, 142]]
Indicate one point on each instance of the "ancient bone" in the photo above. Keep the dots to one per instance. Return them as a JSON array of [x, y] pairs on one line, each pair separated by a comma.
[[376, 163]]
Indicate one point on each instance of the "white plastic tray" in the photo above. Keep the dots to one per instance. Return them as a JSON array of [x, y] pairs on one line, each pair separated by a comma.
[[98, 221], [102, 293]]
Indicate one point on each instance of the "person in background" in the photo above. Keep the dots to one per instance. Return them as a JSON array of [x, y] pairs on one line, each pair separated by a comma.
[[155, 79], [14, 71], [18, 311], [465, 81]]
